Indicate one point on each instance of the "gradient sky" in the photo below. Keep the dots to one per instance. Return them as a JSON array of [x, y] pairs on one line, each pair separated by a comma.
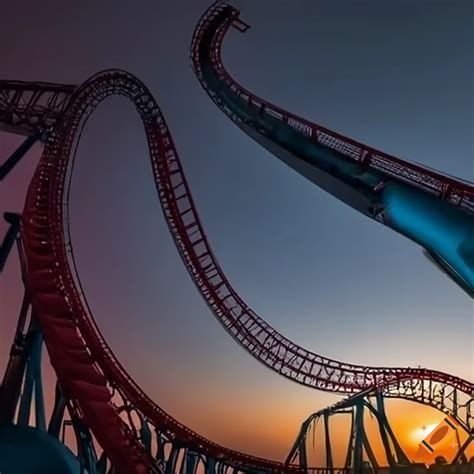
[[395, 75]]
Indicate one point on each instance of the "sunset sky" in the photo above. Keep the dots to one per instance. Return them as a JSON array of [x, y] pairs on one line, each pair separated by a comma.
[[395, 75]]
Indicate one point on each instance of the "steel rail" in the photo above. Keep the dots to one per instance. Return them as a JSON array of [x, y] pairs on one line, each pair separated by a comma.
[[86, 368], [215, 23], [253, 334]]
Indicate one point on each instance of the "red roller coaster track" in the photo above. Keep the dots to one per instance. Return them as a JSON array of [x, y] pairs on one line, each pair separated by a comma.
[[86, 368], [217, 21], [254, 334], [91, 377]]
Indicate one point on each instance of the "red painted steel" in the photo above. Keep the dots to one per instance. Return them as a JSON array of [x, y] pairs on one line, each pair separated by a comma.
[[27, 107], [455, 191], [86, 367], [84, 363], [254, 334]]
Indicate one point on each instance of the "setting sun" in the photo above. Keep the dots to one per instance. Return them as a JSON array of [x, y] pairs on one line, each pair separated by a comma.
[[419, 434]]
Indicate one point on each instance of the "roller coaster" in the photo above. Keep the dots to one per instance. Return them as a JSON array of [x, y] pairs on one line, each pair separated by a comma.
[[118, 428]]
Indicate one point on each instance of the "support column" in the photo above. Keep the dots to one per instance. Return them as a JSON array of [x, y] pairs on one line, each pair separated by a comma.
[[299, 447], [350, 446], [461, 455], [29, 384], [33, 381], [302, 454], [191, 462], [15, 371], [172, 460], [10, 237], [455, 403], [210, 466], [85, 446], [145, 435], [40, 413], [359, 438], [18, 154], [402, 458], [327, 434], [57, 416], [383, 434], [370, 452]]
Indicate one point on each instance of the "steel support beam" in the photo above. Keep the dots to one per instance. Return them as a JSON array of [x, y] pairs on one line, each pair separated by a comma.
[[57, 417], [19, 153], [327, 434], [191, 462], [383, 435], [401, 457], [358, 458], [15, 371], [33, 383], [10, 237], [461, 453], [350, 446], [29, 106]]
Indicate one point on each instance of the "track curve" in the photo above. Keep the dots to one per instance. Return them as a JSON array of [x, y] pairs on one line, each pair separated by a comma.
[[89, 374], [87, 370], [255, 335]]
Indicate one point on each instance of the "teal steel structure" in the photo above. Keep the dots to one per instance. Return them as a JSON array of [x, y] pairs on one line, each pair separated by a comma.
[[432, 209]]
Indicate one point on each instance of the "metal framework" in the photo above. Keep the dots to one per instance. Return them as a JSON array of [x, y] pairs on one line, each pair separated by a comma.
[[90, 377], [101, 395], [102, 400], [262, 341], [359, 446], [27, 107], [378, 185], [207, 40]]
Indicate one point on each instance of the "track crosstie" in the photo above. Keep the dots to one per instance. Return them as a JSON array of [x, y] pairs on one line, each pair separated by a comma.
[[98, 388]]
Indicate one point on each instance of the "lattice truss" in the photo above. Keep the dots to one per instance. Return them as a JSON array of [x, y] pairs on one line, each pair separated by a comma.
[[27, 107], [104, 404], [209, 34], [360, 446]]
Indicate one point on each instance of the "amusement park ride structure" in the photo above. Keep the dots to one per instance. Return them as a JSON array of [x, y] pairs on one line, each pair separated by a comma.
[[94, 393]]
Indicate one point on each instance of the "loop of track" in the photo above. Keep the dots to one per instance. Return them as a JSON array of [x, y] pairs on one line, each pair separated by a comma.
[[85, 365], [254, 334]]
